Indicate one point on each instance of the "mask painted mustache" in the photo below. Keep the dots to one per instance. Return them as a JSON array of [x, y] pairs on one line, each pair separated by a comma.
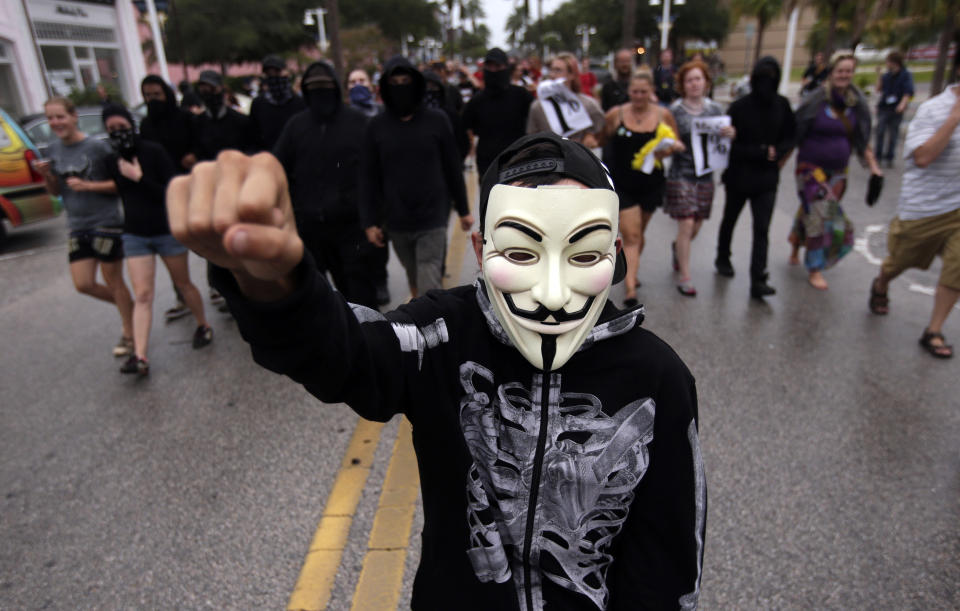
[[542, 313]]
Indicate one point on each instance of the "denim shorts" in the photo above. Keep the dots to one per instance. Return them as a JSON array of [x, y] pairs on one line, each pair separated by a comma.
[[164, 245], [102, 243]]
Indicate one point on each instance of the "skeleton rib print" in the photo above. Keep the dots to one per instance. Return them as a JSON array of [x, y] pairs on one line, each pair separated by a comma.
[[592, 463]]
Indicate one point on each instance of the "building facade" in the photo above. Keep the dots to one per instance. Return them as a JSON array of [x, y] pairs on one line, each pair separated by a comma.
[[52, 47]]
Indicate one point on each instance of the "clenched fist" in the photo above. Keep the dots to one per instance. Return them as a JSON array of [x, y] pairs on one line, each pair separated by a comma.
[[236, 213]]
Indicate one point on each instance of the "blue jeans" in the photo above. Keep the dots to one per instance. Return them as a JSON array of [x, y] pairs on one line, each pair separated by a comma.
[[888, 129]]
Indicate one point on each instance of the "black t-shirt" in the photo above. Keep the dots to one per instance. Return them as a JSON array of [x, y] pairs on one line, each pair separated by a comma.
[[614, 93], [497, 120], [144, 202], [231, 131]]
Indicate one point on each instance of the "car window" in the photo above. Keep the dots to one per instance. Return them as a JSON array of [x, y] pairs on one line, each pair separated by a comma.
[[40, 133], [91, 125]]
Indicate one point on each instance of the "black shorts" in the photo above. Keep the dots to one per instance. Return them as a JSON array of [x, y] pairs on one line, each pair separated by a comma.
[[103, 244], [648, 200]]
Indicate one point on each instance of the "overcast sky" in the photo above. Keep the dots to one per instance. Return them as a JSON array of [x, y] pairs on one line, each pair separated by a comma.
[[498, 10]]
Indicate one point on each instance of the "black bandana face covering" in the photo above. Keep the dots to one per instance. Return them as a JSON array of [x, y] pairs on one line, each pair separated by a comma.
[[124, 143], [402, 99], [213, 101], [279, 88], [156, 108], [323, 103]]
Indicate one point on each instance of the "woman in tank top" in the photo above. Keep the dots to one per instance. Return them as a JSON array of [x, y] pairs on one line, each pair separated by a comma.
[[633, 131]]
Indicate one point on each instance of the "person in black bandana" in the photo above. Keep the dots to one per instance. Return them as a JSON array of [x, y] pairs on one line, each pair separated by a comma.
[[141, 171], [497, 115], [435, 97], [220, 127], [272, 109], [167, 125], [409, 174], [765, 137], [320, 151]]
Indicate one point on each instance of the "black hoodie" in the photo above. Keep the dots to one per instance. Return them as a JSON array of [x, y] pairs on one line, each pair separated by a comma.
[[762, 119], [172, 128], [449, 109], [322, 160], [269, 118], [409, 169]]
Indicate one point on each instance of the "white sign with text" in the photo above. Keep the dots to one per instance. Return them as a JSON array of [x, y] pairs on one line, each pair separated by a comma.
[[564, 111], [711, 151]]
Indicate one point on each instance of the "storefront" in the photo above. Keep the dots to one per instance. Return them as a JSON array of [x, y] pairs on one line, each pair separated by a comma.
[[60, 46]]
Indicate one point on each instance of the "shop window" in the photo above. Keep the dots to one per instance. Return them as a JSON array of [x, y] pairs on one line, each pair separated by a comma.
[[82, 52], [108, 64]]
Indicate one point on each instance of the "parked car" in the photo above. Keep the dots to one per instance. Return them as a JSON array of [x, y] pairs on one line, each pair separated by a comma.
[[23, 196], [867, 53], [88, 121]]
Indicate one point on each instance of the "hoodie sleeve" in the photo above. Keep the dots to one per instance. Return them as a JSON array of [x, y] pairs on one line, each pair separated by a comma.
[[659, 553], [340, 352], [740, 150], [452, 168]]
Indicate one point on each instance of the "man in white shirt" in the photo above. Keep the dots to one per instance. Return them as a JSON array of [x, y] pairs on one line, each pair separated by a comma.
[[928, 214]]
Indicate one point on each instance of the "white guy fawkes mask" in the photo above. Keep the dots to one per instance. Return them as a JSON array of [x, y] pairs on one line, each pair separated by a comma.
[[548, 260]]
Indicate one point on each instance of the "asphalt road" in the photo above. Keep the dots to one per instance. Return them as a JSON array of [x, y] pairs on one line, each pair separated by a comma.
[[829, 438]]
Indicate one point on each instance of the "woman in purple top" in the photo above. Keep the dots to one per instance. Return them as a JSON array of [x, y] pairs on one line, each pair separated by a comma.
[[832, 122]]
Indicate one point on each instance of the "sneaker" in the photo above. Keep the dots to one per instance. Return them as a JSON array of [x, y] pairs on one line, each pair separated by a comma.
[[216, 298], [123, 347], [178, 311], [202, 336], [136, 365], [759, 290], [724, 268]]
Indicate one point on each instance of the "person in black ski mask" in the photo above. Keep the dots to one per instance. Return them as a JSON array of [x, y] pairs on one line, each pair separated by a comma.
[[272, 109], [171, 127], [766, 130], [409, 174], [497, 115], [320, 152]]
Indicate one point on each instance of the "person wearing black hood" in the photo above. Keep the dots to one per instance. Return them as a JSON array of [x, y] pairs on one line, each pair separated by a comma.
[[435, 97], [409, 175], [766, 130], [141, 170], [167, 125], [220, 127], [320, 152], [272, 109], [497, 115]]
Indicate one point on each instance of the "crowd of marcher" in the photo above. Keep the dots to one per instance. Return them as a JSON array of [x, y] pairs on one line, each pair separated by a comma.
[[378, 159]]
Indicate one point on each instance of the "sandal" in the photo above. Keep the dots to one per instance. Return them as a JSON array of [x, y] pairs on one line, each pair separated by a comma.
[[687, 289], [879, 302], [941, 351]]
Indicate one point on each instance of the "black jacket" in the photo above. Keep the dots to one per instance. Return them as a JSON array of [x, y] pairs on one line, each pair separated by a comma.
[[229, 130], [453, 114], [144, 201], [174, 129], [611, 437], [760, 123], [322, 162], [409, 170], [269, 118]]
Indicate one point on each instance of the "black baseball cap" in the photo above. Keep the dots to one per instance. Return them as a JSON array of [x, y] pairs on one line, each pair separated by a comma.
[[573, 161]]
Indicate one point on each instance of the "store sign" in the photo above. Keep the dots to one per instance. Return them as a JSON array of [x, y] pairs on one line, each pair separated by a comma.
[[73, 11]]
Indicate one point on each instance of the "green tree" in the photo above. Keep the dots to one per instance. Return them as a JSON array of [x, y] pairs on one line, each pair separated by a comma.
[[225, 31], [764, 11], [395, 18]]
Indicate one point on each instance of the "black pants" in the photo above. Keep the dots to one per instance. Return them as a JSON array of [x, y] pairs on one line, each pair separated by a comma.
[[761, 206], [343, 250]]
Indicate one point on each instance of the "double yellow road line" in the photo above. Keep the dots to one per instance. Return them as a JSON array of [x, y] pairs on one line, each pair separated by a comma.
[[381, 577]]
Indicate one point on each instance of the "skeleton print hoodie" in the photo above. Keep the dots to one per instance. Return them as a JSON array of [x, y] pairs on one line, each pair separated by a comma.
[[583, 490]]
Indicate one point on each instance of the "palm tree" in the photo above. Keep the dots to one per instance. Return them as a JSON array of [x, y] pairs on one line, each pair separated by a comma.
[[515, 26], [472, 10], [764, 11]]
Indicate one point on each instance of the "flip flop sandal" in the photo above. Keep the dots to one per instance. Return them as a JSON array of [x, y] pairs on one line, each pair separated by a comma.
[[687, 289], [933, 348], [879, 302]]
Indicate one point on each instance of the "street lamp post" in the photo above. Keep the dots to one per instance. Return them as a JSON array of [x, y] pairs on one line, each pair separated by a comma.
[[665, 19], [585, 31], [313, 16]]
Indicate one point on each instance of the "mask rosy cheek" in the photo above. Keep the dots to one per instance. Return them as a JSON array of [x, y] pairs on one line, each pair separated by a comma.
[[505, 277]]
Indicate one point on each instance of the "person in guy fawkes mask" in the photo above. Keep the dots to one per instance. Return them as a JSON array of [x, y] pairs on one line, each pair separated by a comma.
[[765, 128], [497, 115], [168, 125], [271, 110], [220, 127], [557, 441], [409, 174], [320, 152], [141, 171], [435, 97]]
